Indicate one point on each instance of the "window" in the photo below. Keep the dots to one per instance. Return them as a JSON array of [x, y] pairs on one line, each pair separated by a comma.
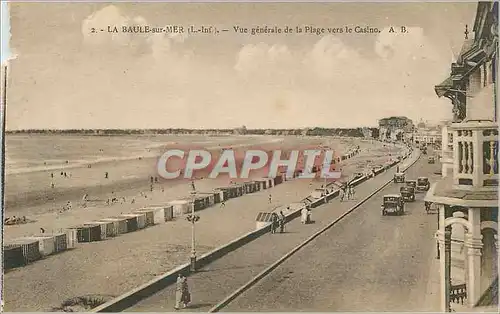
[[485, 75], [494, 69]]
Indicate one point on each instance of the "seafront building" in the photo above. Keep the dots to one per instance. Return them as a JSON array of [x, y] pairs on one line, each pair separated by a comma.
[[395, 128], [427, 134], [467, 194]]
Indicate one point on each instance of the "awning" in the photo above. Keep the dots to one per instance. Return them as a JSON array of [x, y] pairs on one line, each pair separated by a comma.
[[444, 87]]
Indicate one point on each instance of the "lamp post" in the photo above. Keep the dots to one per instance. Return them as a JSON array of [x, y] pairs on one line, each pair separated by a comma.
[[193, 219]]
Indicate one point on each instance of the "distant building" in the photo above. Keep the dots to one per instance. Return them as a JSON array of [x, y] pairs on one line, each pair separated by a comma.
[[427, 134], [395, 128], [427, 137]]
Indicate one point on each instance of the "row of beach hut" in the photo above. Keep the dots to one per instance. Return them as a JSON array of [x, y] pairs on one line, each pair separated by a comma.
[[22, 251]]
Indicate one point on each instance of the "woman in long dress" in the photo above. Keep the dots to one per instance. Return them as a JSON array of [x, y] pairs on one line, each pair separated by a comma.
[[303, 216], [182, 296]]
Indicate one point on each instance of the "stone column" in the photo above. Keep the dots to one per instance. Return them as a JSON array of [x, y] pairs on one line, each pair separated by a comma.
[[474, 244], [445, 267], [477, 162]]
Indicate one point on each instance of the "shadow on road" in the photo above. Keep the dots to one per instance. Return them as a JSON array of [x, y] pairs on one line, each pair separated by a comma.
[[230, 268], [198, 306]]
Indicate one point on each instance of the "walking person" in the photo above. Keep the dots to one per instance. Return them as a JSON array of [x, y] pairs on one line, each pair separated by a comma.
[[282, 221], [182, 295], [274, 222], [303, 215], [345, 191], [223, 203]]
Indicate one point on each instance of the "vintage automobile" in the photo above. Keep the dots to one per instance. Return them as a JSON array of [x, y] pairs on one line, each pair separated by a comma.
[[408, 193], [393, 204], [399, 177], [431, 160], [411, 183], [423, 184]]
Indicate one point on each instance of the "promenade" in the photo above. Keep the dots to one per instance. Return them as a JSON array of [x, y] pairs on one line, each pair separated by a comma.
[[217, 280]]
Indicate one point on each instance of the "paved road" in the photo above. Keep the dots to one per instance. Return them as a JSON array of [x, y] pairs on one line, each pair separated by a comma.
[[367, 262], [220, 278]]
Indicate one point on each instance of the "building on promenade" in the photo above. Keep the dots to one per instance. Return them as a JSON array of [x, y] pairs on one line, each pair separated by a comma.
[[467, 194], [428, 135], [395, 128]]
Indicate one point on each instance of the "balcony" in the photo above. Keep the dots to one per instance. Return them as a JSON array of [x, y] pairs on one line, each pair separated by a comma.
[[475, 155]]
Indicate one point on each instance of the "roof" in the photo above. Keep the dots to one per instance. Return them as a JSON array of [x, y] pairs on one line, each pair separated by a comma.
[[392, 195], [444, 87], [445, 188], [468, 45]]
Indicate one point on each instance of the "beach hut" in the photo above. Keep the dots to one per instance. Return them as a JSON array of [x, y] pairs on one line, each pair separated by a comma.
[[88, 233], [158, 213], [13, 257], [108, 228], [229, 192], [232, 191], [223, 194], [262, 184], [250, 187], [168, 213], [180, 207], [60, 241], [210, 198], [216, 195], [102, 227], [30, 249], [270, 182], [200, 202], [45, 244], [278, 179], [149, 213], [240, 190], [131, 223], [71, 238], [140, 219], [119, 224]]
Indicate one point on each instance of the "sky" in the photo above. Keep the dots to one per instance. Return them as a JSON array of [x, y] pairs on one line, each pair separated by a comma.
[[64, 76], [5, 32]]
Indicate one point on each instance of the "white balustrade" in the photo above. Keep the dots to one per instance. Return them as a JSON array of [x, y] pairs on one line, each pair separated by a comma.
[[475, 153]]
